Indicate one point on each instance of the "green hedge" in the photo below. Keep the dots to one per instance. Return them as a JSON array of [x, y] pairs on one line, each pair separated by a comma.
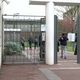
[[11, 48]]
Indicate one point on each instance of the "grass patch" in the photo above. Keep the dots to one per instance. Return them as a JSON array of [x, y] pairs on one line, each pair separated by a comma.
[[70, 46]]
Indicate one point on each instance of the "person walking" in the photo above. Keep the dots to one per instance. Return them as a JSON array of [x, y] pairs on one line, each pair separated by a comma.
[[63, 43]]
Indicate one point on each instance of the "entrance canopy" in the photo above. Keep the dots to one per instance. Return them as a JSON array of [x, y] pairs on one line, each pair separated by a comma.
[[56, 2]]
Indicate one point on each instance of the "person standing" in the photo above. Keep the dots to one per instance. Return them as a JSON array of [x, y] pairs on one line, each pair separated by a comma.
[[30, 42], [63, 42], [36, 42], [57, 46], [23, 43], [75, 52]]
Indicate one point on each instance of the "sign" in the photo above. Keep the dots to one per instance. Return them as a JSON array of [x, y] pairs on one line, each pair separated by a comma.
[[71, 37], [43, 28], [43, 36]]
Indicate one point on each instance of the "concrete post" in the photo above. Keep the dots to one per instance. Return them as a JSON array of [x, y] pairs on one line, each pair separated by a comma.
[[0, 33], [49, 33]]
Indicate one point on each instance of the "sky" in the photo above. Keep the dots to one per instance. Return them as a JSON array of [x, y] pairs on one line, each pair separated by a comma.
[[23, 8]]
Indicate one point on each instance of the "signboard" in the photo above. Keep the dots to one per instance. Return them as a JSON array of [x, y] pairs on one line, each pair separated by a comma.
[[43, 28], [71, 37], [43, 36]]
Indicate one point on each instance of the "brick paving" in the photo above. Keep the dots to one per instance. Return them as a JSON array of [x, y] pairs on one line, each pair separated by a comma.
[[65, 69], [68, 74], [20, 72]]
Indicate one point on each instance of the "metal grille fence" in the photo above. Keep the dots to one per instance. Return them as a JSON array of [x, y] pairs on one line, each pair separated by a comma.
[[21, 39]]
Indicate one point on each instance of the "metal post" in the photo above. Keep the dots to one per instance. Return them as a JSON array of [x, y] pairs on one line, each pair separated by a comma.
[[55, 39], [78, 39]]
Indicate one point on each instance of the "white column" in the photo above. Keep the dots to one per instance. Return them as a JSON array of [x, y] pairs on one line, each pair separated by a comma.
[[0, 33], [49, 33]]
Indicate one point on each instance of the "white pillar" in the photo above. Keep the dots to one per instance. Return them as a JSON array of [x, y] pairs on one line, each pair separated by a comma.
[[0, 33], [49, 33]]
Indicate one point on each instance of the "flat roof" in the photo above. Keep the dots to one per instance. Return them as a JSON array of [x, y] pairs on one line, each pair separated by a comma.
[[56, 2]]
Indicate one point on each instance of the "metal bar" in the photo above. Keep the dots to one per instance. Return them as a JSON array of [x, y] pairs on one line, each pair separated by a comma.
[[55, 39], [78, 39]]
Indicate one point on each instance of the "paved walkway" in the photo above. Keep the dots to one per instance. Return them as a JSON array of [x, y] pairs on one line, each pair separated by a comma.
[[60, 71], [64, 70], [21, 72]]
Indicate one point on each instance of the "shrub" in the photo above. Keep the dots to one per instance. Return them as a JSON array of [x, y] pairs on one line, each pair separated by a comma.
[[11, 48]]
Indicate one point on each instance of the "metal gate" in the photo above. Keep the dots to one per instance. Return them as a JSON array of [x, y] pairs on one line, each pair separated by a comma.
[[22, 39]]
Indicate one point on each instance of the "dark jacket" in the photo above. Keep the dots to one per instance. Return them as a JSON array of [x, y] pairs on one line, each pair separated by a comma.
[[63, 41]]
